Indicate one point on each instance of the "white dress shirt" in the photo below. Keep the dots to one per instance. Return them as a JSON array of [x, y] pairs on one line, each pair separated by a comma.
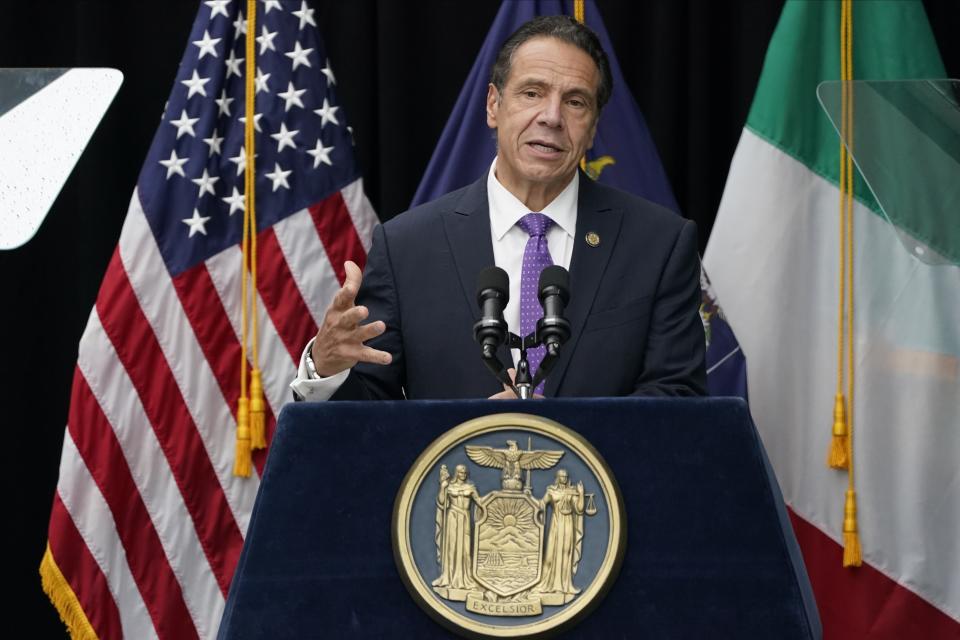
[[509, 242]]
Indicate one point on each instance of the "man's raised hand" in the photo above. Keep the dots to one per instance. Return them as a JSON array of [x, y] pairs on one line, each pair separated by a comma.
[[339, 342]]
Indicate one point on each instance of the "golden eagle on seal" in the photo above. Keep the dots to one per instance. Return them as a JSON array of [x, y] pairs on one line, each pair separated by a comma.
[[512, 460]]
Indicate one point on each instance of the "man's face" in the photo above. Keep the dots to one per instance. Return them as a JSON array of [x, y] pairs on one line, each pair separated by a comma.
[[546, 115]]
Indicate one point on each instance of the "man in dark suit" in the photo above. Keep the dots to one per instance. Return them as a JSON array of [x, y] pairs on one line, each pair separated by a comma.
[[633, 265]]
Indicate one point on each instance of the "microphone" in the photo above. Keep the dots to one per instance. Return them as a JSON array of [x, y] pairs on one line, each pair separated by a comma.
[[553, 329], [493, 293]]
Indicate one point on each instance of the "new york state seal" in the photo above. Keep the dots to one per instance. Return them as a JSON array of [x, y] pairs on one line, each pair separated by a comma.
[[509, 525]]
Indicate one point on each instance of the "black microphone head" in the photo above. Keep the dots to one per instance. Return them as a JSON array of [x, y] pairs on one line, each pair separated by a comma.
[[556, 277], [494, 278], [493, 292]]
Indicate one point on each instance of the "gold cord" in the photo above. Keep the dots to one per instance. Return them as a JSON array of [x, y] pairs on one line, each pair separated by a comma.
[[243, 464], [852, 553]]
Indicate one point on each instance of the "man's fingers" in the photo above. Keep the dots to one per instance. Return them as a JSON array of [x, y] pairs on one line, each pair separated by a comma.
[[371, 330], [345, 297], [351, 285], [354, 275], [374, 356], [506, 394], [506, 388], [352, 317]]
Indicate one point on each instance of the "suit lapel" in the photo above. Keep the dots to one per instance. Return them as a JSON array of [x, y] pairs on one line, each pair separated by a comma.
[[587, 265], [467, 228]]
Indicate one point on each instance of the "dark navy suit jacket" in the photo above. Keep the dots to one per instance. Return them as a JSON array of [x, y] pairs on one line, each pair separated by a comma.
[[633, 307]]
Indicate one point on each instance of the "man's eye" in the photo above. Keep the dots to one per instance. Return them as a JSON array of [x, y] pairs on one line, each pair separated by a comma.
[[530, 93]]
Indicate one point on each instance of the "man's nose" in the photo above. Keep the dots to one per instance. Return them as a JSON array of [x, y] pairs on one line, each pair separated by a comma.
[[550, 114]]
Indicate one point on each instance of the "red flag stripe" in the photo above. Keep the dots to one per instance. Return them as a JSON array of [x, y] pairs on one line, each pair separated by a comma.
[[308, 262], [220, 346], [82, 573], [182, 346], [863, 602], [102, 454], [118, 401], [142, 357], [335, 228], [281, 296]]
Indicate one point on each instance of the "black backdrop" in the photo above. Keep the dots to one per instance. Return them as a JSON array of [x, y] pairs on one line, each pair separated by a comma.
[[691, 64]]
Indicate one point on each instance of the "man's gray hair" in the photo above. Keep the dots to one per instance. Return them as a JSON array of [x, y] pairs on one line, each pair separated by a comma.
[[562, 28]]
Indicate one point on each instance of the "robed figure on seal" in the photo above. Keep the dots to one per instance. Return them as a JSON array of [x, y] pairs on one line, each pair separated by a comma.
[[453, 533], [565, 538]]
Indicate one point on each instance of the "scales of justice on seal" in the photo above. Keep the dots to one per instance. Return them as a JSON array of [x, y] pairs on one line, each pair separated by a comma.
[[493, 539]]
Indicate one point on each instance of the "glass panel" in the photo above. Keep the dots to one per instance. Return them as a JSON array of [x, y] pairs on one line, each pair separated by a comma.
[[905, 139], [46, 119]]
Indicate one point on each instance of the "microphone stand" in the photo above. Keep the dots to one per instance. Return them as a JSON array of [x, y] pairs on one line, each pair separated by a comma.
[[523, 384]]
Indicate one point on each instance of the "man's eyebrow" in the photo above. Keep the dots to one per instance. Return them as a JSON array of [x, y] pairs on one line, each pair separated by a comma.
[[532, 81]]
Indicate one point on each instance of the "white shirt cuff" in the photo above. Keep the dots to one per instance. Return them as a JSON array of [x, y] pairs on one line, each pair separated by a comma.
[[317, 389]]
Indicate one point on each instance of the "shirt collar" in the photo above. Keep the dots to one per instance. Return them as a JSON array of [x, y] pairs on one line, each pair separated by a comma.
[[506, 209]]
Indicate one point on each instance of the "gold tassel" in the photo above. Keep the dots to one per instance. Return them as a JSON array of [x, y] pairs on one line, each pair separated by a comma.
[[57, 588], [852, 555], [243, 463], [258, 421], [838, 456]]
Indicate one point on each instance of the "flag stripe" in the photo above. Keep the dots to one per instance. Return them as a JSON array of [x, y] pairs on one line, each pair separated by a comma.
[[120, 405], [142, 357], [94, 521], [335, 228], [83, 574], [361, 212], [309, 266], [174, 329], [281, 296], [98, 447], [864, 602]]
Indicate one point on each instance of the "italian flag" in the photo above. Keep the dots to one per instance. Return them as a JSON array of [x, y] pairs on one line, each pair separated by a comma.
[[773, 258]]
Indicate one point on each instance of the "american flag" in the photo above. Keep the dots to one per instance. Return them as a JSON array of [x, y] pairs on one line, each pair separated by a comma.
[[148, 518]]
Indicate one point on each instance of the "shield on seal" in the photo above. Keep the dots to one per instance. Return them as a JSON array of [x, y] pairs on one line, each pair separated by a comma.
[[508, 542]]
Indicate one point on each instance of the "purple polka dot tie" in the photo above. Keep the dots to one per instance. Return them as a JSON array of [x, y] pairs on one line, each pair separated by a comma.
[[536, 258]]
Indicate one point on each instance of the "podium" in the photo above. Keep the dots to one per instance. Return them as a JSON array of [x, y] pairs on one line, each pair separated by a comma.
[[710, 551]]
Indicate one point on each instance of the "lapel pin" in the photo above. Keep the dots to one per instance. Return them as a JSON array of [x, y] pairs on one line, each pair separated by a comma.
[[593, 239]]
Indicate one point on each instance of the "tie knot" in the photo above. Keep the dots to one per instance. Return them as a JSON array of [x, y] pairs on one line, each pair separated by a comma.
[[535, 224]]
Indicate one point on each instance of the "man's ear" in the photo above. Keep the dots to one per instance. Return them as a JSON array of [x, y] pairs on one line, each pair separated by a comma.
[[493, 105]]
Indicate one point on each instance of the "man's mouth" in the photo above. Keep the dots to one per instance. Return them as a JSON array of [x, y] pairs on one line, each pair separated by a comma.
[[544, 147]]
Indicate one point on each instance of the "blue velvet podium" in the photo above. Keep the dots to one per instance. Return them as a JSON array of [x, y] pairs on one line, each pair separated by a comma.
[[710, 552]]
